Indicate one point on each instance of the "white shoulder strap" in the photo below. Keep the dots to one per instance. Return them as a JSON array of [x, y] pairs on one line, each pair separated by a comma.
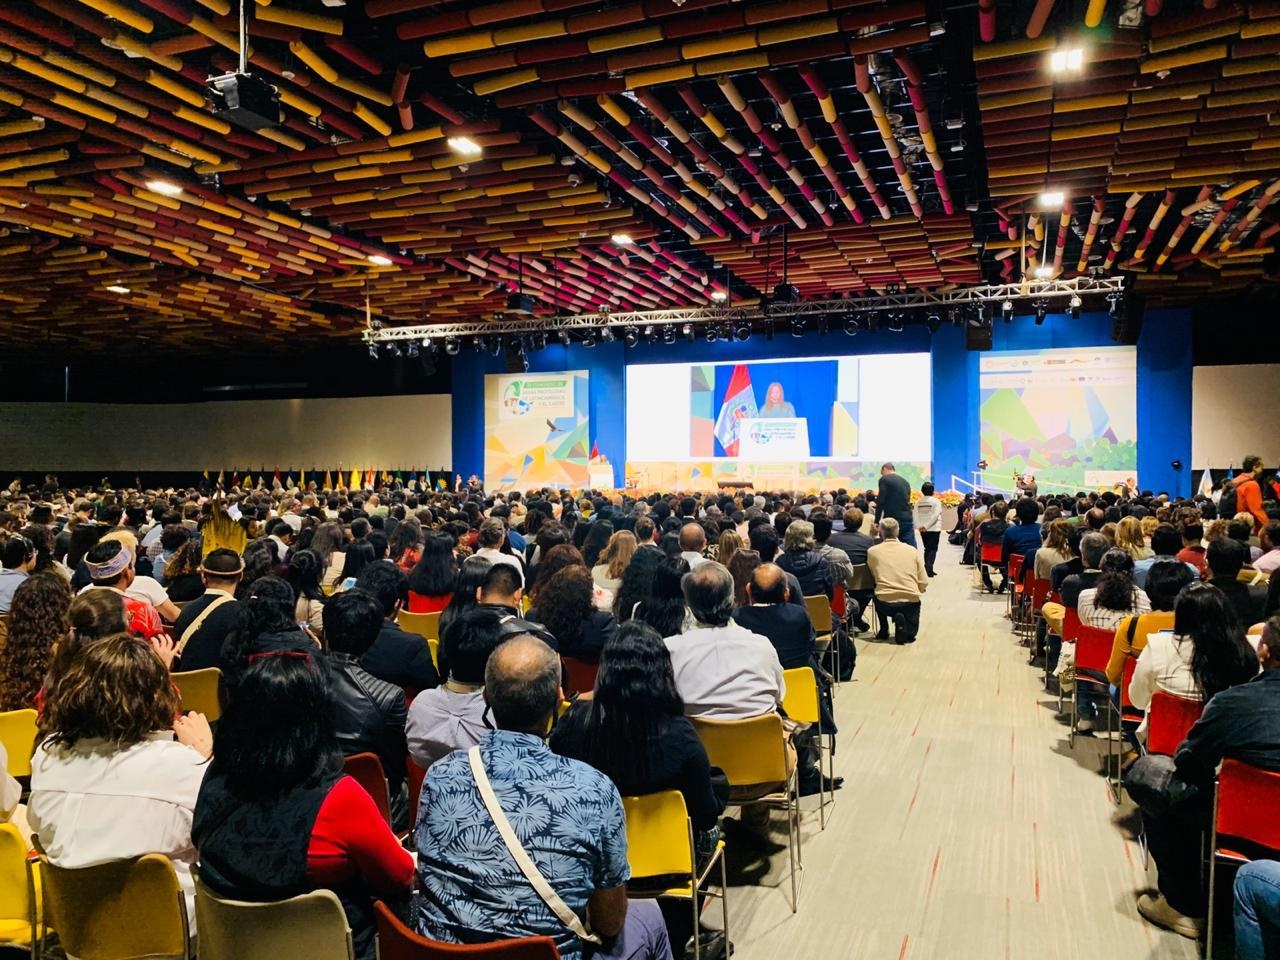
[[198, 622], [526, 865]]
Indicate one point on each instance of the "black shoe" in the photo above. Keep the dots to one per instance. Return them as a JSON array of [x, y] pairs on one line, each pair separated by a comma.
[[882, 636], [713, 945], [899, 624], [931, 573], [862, 626], [812, 785]]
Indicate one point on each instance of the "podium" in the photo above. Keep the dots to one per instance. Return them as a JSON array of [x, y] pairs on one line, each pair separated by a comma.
[[773, 438], [600, 476]]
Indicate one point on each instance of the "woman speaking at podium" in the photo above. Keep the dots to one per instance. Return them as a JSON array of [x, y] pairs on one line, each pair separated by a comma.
[[775, 406]]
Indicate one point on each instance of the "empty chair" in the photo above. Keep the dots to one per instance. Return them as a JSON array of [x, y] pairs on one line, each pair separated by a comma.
[[18, 734], [199, 691], [398, 942], [425, 625], [21, 914], [311, 926], [819, 609]]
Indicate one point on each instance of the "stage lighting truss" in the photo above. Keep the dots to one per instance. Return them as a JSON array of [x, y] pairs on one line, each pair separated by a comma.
[[694, 320]]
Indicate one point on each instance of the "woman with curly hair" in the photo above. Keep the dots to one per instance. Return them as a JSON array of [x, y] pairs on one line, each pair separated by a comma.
[[568, 610], [37, 623], [555, 560], [182, 572], [404, 546], [258, 563]]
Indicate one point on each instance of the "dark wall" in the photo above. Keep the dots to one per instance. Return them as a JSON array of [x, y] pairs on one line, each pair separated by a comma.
[[1235, 331]]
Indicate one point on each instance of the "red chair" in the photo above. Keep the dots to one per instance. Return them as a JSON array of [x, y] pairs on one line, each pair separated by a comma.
[[838, 605], [398, 942], [366, 770], [1093, 650], [415, 777], [1125, 713], [1242, 811], [989, 555], [1169, 720], [1016, 560], [1070, 627], [580, 675]]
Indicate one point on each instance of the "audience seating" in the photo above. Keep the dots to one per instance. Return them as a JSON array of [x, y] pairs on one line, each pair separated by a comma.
[[425, 625], [660, 846], [21, 915], [801, 705], [434, 646], [398, 942], [1016, 586], [87, 906], [18, 734], [864, 585], [819, 610], [990, 555], [753, 754], [1243, 810], [1093, 650], [580, 675], [312, 925], [1169, 719], [199, 690], [1126, 712], [415, 777], [1070, 626], [366, 770]]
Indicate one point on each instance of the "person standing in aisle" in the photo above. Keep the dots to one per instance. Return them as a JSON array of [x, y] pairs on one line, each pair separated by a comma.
[[894, 500], [928, 520]]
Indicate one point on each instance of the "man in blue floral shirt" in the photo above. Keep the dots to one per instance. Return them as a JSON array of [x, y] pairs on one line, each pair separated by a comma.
[[567, 816]]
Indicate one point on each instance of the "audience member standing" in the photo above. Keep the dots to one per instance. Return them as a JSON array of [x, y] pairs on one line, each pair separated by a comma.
[[928, 521], [894, 501]]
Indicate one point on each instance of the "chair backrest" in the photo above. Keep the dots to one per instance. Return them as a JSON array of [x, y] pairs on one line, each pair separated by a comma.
[[366, 770], [1039, 590], [1130, 664], [659, 837], [18, 734], [425, 625], [801, 699], [1247, 800], [581, 676], [749, 751], [199, 691], [819, 608], [1016, 560], [17, 898], [434, 646], [1070, 624], [1169, 719], [88, 906], [861, 578], [1093, 647], [839, 602], [398, 942], [312, 925], [993, 552], [415, 777]]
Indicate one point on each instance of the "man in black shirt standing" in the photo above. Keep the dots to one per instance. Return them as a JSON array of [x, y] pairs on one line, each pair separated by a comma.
[[894, 500]]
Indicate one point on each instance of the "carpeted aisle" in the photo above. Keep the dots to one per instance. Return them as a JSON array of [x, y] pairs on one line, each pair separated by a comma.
[[966, 829]]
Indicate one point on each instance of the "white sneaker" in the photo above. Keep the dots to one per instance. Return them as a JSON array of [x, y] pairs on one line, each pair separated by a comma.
[[1157, 910], [1084, 726]]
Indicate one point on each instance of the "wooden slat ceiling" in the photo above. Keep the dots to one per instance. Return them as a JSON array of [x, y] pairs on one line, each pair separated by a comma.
[[877, 142]]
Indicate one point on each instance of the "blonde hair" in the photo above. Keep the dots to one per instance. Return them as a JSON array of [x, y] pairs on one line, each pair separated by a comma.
[[728, 544], [1149, 524], [1109, 531], [1129, 537], [126, 537], [617, 554], [1215, 530]]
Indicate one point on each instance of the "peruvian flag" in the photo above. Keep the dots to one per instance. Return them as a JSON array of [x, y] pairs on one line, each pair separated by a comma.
[[595, 453], [739, 404]]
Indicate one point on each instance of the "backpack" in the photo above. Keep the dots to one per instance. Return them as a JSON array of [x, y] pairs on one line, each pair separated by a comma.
[[1227, 502]]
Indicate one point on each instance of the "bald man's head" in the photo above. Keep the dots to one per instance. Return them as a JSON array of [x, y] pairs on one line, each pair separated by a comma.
[[693, 539], [522, 684], [768, 584]]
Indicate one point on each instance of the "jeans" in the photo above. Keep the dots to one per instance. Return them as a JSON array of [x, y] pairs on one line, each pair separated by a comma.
[[1174, 839], [907, 530], [1257, 911], [910, 620], [643, 936], [930, 538]]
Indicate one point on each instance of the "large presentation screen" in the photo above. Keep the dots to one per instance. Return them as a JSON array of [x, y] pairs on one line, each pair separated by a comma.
[[536, 430], [778, 422], [1067, 416]]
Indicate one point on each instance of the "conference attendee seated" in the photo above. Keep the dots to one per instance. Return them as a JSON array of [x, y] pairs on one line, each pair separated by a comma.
[[1269, 561], [693, 544], [1023, 538], [900, 583], [1225, 559], [1055, 548], [206, 622], [1257, 910], [991, 531], [1092, 548], [801, 560], [1175, 794], [492, 537], [110, 567], [1165, 545], [564, 814], [567, 610], [852, 539], [142, 585], [276, 816], [764, 542], [397, 656], [841, 565], [369, 714], [18, 555], [451, 716], [1112, 599], [1193, 551], [266, 625], [432, 578], [500, 594], [1166, 579], [119, 765]]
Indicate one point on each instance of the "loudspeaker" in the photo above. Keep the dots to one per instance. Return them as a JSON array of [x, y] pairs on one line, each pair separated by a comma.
[[978, 338], [1127, 326]]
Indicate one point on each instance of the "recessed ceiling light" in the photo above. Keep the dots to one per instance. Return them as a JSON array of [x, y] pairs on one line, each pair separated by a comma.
[[379, 259], [622, 239], [1070, 60], [719, 295], [1051, 199], [166, 187], [465, 146], [117, 288]]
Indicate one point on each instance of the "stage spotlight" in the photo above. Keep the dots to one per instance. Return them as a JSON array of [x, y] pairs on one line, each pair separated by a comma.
[[394, 350], [452, 346], [896, 321], [851, 324], [954, 315], [524, 363], [1006, 311], [650, 334], [607, 335], [495, 346], [797, 326], [822, 325], [711, 333], [933, 321], [786, 293], [1175, 464], [477, 344], [688, 332], [373, 351], [589, 340], [668, 334], [743, 332], [1074, 305], [768, 329], [1042, 310], [1114, 306], [411, 349], [563, 337], [631, 336], [873, 322]]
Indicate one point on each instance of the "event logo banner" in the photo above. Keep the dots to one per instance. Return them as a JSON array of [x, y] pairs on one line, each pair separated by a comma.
[[537, 430]]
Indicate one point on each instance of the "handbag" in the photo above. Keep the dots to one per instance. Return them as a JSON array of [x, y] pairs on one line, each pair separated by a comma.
[[521, 857]]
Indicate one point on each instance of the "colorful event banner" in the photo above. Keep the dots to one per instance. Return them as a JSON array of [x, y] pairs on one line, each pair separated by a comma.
[[537, 429]]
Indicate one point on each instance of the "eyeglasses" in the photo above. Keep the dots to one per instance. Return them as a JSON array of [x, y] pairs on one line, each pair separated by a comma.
[[280, 654]]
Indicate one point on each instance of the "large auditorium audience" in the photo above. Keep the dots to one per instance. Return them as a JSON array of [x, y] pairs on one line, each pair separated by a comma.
[[679, 606]]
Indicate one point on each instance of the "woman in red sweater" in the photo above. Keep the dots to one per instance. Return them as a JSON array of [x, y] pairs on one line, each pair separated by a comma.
[[276, 816], [432, 577]]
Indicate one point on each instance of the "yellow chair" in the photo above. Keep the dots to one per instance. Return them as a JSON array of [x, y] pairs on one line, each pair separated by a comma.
[[21, 918], [434, 646], [328, 588], [89, 908], [819, 610], [801, 704], [753, 754], [199, 691], [312, 925], [18, 734], [660, 844], [425, 625]]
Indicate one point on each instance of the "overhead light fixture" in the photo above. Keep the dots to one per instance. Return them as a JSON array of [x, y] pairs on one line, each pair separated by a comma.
[[851, 325], [117, 288], [1074, 305], [1044, 271], [465, 146], [1051, 199], [933, 322], [719, 296], [377, 259], [563, 337], [688, 332], [1006, 311], [1042, 311], [797, 326], [631, 336], [1069, 60], [165, 187], [896, 321], [668, 334], [622, 239], [373, 351], [452, 345], [743, 333], [711, 334]]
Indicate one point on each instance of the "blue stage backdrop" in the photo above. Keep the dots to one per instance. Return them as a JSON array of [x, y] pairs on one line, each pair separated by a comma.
[[1163, 385]]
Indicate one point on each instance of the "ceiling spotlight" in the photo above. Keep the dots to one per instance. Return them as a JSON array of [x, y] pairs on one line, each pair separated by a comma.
[[428, 345], [743, 332], [373, 351], [589, 340], [712, 333], [797, 326], [1115, 306], [166, 187], [622, 239], [452, 345], [117, 288], [719, 296], [851, 325], [1074, 305], [465, 146], [1042, 311], [668, 334], [379, 260], [394, 350], [563, 337], [1070, 60], [786, 293], [650, 334], [477, 344], [687, 330], [631, 336], [896, 322], [1044, 271], [933, 321], [495, 346], [1006, 311], [411, 349], [1050, 199]]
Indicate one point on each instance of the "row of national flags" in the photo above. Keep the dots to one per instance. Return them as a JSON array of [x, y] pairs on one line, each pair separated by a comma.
[[358, 479]]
